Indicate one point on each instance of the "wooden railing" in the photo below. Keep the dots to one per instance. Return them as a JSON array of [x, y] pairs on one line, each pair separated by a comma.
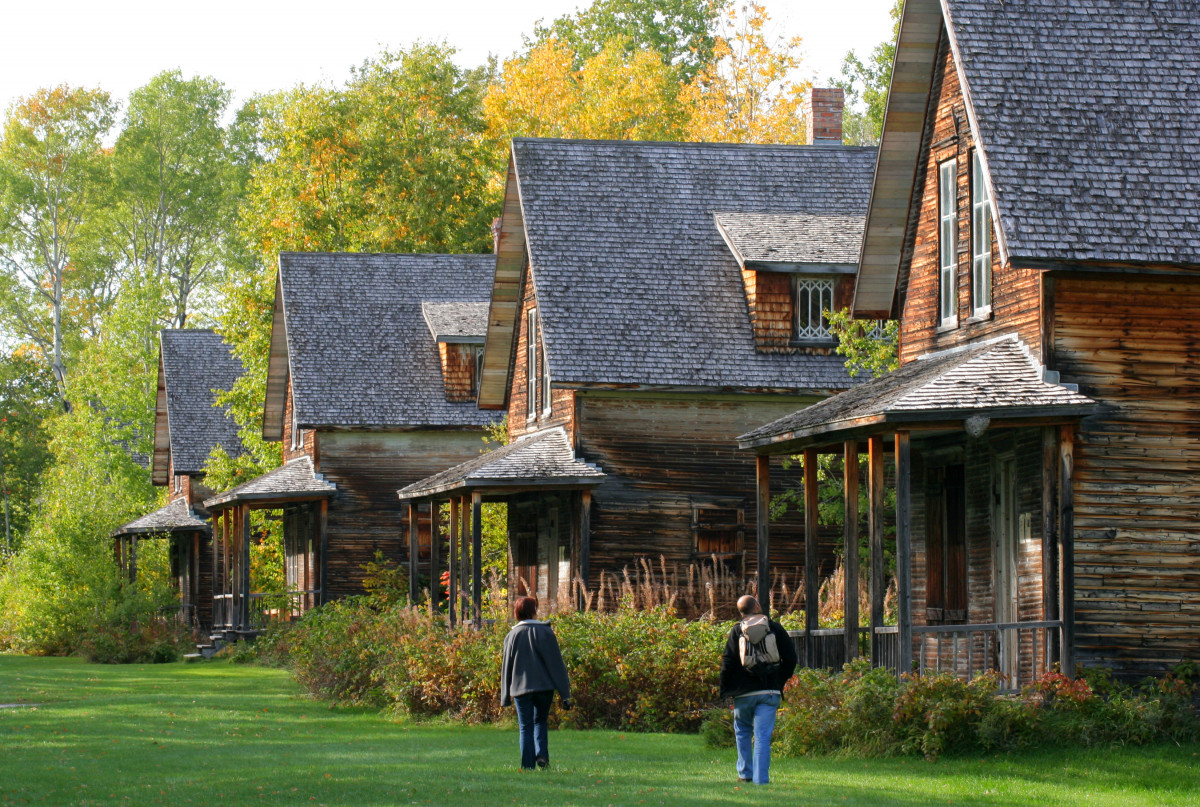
[[1020, 651], [280, 606], [825, 648], [224, 612]]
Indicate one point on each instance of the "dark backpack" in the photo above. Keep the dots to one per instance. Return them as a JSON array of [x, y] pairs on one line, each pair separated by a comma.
[[758, 648]]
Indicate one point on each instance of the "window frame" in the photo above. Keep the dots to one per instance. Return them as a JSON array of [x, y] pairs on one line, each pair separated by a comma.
[[547, 401], [477, 378], [947, 242], [297, 432], [826, 286], [533, 368], [981, 241]]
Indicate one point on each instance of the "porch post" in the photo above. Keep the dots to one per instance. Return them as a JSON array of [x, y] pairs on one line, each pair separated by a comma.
[[877, 583], [323, 536], [812, 557], [413, 550], [904, 549], [763, 516], [452, 562], [464, 560], [133, 558], [1066, 521], [850, 549], [244, 512], [477, 556], [1050, 540], [435, 579], [585, 537]]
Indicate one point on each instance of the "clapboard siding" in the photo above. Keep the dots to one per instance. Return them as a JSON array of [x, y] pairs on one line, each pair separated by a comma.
[[365, 514], [1015, 292], [664, 455], [1131, 341]]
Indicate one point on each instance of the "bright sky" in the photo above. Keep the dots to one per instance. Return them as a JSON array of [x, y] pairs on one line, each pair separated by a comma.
[[261, 45]]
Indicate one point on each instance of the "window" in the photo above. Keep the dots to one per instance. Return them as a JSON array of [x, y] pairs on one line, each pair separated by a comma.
[[813, 297], [946, 545], [719, 533], [478, 377], [981, 241], [532, 367], [947, 230], [297, 432], [178, 483], [547, 403]]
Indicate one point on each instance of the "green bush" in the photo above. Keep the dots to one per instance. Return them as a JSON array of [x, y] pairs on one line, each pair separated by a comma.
[[129, 630]]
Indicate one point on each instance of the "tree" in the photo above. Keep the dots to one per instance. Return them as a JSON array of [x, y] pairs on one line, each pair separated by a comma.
[[27, 398], [51, 173], [746, 94], [174, 186], [681, 32], [615, 94], [866, 344], [866, 85]]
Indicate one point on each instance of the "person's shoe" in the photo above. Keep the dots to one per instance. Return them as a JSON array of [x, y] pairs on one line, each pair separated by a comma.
[[743, 780], [542, 762]]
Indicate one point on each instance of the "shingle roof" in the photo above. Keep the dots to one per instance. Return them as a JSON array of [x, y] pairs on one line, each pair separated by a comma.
[[175, 517], [793, 237], [359, 350], [294, 480], [1087, 114], [456, 322], [994, 378], [543, 457], [196, 362], [635, 283]]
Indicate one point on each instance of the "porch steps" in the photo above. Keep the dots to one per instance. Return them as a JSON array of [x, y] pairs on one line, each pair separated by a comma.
[[192, 657]]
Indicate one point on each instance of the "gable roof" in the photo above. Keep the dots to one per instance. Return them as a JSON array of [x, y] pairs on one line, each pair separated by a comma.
[[350, 332], [794, 239], [175, 517], [542, 459], [192, 363], [1085, 115], [634, 282], [293, 481], [996, 378], [456, 322]]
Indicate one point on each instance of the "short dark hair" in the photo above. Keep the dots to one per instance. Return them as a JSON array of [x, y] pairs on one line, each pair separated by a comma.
[[525, 608]]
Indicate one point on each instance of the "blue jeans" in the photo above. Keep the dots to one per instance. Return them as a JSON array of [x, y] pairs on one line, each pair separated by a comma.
[[533, 714], [753, 724]]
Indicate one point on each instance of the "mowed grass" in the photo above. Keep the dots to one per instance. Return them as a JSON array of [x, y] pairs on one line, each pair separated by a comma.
[[214, 733]]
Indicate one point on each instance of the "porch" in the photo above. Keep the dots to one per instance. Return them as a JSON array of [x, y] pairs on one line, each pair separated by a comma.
[[297, 500], [548, 492], [980, 450], [189, 540]]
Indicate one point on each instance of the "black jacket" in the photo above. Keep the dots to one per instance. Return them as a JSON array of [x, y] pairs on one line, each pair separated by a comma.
[[736, 681], [532, 662]]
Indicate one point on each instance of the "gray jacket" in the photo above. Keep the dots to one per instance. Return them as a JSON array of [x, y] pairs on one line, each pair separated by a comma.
[[532, 662]]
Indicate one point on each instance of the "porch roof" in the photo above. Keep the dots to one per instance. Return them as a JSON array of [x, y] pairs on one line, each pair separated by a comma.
[[294, 481], [175, 517], [996, 379], [543, 459]]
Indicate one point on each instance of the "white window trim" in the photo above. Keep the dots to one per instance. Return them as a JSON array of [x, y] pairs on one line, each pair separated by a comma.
[[532, 367], [825, 287], [478, 379], [947, 243], [981, 253], [297, 432], [547, 400]]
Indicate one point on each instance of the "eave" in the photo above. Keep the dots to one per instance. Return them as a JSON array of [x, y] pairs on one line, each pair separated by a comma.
[[278, 369], [504, 308]]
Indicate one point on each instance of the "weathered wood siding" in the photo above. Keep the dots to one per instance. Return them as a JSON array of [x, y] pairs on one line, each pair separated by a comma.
[[665, 455], [1131, 342], [1015, 292], [365, 515], [308, 446], [773, 310], [458, 371], [562, 409]]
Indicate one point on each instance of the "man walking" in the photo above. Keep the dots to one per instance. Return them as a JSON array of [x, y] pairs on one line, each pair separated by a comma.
[[759, 659]]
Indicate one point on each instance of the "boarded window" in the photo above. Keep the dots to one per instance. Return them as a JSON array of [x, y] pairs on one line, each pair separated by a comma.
[[719, 532], [813, 296], [947, 235], [981, 241], [946, 546]]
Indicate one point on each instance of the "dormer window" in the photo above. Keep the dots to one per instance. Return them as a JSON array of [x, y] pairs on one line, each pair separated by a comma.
[[813, 297], [947, 235], [981, 241]]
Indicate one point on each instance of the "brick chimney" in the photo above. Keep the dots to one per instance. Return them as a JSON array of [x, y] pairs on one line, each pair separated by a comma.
[[822, 108]]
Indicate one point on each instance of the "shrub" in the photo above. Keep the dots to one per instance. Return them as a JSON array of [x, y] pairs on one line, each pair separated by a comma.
[[717, 728]]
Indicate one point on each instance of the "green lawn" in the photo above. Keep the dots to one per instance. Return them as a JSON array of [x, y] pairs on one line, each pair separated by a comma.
[[219, 734]]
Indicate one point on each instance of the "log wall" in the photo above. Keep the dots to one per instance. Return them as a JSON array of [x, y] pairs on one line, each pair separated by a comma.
[[1131, 342], [1015, 292]]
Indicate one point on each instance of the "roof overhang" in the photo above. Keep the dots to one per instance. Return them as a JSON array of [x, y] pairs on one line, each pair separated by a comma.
[[504, 308], [160, 463], [277, 368], [296, 481], [172, 519]]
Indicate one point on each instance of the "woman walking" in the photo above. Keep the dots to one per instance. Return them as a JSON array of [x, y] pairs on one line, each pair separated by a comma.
[[532, 670]]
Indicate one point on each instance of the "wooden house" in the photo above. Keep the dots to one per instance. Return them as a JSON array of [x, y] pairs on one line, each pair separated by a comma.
[[370, 387], [650, 302], [1034, 226], [193, 365]]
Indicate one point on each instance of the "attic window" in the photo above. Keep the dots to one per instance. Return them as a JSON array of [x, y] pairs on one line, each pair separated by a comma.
[[813, 297], [947, 232]]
